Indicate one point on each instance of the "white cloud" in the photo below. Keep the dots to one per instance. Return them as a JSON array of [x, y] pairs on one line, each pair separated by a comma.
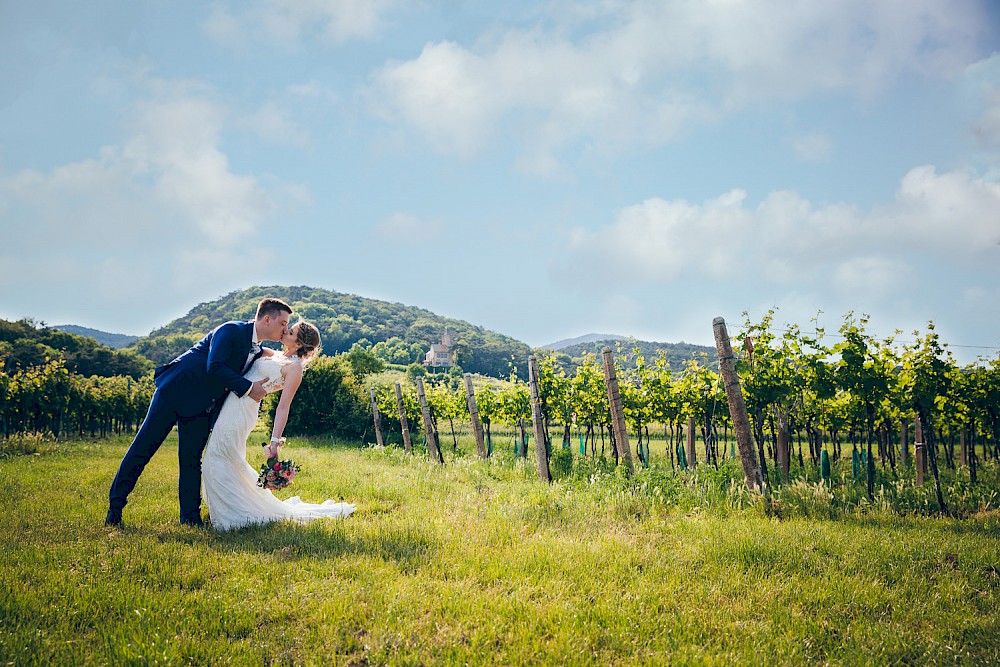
[[166, 191], [953, 217], [953, 212], [626, 74], [289, 22], [446, 93], [176, 142], [875, 277], [273, 123]]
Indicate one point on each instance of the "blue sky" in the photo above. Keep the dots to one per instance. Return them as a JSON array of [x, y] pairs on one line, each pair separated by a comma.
[[544, 169]]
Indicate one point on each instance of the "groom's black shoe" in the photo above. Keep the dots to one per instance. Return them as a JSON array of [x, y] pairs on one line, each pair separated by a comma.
[[114, 518], [195, 521]]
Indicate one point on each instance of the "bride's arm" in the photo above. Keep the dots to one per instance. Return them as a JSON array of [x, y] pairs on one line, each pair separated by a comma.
[[293, 378]]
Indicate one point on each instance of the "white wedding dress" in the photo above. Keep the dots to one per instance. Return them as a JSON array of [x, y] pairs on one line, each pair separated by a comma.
[[229, 483]]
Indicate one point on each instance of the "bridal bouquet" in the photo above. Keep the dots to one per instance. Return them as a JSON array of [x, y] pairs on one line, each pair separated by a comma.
[[275, 474]]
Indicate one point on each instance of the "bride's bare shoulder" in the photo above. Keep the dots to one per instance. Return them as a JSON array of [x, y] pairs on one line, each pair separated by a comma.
[[292, 363]]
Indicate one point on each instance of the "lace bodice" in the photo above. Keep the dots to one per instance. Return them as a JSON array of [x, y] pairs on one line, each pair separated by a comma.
[[269, 367]]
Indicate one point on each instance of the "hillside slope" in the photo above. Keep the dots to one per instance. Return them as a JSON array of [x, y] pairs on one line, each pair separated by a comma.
[[113, 340], [343, 320], [560, 345], [676, 354]]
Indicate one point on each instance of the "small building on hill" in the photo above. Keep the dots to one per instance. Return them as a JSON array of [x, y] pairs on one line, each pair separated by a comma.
[[440, 355]]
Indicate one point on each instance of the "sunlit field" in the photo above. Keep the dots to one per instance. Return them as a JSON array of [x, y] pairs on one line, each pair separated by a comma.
[[479, 562]]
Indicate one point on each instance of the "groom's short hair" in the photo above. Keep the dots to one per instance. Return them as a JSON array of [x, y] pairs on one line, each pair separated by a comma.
[[272, 307]]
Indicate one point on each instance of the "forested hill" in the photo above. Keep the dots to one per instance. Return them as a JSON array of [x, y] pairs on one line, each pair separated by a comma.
[[113, 340], [26, 344], [676, 354], [346, 319]]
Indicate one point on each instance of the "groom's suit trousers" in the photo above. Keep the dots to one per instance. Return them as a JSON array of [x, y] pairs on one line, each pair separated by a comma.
[[192, 434]]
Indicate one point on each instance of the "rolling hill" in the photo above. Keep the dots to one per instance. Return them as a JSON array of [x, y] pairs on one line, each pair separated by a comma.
[[343, 320], [113, 340], [676, 354]]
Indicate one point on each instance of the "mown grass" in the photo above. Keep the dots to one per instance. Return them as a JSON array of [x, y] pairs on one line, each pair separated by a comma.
[[480, 563]]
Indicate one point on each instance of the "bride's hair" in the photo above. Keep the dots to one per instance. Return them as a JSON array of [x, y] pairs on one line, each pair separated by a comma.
[[309, 341]]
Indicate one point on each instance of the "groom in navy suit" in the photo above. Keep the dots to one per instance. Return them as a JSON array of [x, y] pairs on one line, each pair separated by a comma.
[[189, 392]]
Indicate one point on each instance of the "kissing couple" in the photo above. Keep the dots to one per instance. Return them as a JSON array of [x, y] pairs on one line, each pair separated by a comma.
[[212, 394]]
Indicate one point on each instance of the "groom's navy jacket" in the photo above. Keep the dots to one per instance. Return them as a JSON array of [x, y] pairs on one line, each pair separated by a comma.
[[194, 381]]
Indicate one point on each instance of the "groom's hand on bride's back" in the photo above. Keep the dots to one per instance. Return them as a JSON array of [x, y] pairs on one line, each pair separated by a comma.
[[257, 391]]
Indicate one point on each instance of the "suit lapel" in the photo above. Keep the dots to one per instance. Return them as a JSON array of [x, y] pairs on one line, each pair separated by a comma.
[[248, 348]]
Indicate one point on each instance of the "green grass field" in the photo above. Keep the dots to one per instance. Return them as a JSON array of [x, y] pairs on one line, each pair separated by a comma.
[[480, 563]]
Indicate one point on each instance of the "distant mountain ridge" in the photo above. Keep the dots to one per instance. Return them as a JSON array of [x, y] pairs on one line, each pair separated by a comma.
[[676, 354], [579, 340], [113, 340]]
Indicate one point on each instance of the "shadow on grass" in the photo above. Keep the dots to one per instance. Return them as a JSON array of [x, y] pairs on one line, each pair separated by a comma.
[[406, 546], [979, 523]]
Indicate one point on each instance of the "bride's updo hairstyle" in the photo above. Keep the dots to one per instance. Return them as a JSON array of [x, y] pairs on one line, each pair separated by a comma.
[[308, 339]]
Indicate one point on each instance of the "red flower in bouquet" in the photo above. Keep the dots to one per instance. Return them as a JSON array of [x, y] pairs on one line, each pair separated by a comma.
[[275, 474]]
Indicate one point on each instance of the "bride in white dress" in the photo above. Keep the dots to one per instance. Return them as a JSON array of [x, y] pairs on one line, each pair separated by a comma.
[[229, 484]]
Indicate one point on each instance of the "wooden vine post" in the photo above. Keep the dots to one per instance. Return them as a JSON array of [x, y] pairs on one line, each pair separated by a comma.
[[379, 438], [477, 425], [403, 421], [541, 457], [919, 451], [691, 453], [784, 454], [429, 432], [617, 414], [737, 406]]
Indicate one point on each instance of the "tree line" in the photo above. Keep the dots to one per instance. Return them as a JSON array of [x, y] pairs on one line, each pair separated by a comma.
[[26, 343]]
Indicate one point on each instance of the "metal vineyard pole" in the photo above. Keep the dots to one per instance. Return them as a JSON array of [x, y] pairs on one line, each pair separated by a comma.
[[379, 438], [403, 422], [429, 432], [617, 414], [737, 406], [541, 457], [477, 425]]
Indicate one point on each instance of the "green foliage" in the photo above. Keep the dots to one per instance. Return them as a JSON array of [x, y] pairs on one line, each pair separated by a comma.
[[561, 463], [363, 362], [162, 349], [23, 344], [675, 355], [49, 399], [346, 319], [330, 401], [395, 350], [415, 370]]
